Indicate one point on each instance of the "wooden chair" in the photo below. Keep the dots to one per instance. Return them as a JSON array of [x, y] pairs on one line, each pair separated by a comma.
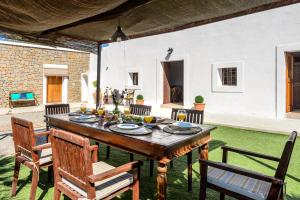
[[135, 109], [27, 153], [54, 109], [129, 96], [245, 184], [193, 116], [77, 173]]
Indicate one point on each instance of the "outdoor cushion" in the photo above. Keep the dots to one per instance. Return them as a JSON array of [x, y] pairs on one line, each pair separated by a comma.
[[15, 96], [105, 187], [29, 96], [22, 95], [45, 155], [250, 187]]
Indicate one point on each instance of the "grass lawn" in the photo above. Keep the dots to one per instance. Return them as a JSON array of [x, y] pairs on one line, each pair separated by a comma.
[[267, 143]]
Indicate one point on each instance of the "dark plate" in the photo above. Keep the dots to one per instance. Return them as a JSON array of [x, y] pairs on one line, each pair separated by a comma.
[[190, 131], [136, 132], [89, 120]]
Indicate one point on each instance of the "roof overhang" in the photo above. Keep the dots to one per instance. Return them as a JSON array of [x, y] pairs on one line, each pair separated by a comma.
[[82, 25]]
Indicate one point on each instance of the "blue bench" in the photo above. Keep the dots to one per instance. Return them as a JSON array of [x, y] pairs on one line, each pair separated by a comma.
[[21, 98]]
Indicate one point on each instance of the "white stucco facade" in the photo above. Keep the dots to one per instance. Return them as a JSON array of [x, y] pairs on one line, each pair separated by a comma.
[[257, 41]]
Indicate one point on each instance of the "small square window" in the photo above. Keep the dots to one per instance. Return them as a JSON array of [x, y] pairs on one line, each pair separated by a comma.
[[134, 78], [229, 76]]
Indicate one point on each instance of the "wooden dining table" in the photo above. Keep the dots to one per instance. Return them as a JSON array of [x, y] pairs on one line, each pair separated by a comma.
[[159, 145]]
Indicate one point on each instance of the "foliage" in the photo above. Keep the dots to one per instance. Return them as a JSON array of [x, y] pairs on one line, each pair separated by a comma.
[[95, 84], [199, 99], [267, 143], [140, 97], [117, 96]]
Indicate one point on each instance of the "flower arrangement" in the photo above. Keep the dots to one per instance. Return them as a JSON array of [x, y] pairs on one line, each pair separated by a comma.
[[117, 98]]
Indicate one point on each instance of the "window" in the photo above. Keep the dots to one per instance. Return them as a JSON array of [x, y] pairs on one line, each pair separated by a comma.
[[229, 76], [134, 76]]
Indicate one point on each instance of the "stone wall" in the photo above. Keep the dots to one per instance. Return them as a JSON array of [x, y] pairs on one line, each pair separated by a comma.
[[21, 68]]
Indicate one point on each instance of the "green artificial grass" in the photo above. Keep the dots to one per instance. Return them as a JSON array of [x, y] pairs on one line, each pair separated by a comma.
[[267, 143]]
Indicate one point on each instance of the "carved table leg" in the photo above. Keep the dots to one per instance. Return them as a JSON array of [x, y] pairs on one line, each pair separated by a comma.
[[161, 181], [203, 152]]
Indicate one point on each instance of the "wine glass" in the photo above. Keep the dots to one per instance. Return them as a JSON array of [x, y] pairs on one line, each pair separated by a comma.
[[181, 115], [83, 108], [148, 117], [126, 110], [100, 110]]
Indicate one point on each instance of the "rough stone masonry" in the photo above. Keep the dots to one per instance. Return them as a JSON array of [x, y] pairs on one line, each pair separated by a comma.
[[21, 69]]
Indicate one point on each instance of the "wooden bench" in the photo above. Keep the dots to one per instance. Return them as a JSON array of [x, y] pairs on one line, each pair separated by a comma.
[[22, 98]]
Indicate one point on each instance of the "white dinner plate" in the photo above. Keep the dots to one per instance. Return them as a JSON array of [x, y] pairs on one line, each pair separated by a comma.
[[128, 126]]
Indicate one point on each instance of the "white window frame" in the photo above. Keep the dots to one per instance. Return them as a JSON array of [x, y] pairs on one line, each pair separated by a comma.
[[217, 85]]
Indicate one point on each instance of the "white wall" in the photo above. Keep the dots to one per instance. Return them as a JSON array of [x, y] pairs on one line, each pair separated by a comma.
[[252, 39]]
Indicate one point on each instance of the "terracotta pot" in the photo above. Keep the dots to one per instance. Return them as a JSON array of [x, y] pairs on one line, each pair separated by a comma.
[[199, 106], [140, 102]]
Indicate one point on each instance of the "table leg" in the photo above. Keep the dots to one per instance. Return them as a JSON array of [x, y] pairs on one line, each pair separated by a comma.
[[203, 152], [161, 181]]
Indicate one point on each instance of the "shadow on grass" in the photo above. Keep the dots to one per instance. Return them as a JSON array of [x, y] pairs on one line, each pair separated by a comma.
[[271, 167]]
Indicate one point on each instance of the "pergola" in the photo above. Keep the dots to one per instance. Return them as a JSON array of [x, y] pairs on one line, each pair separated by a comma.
[[84, 25]]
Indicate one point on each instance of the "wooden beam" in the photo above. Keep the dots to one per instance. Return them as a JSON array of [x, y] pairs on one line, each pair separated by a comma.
[[112, 14]]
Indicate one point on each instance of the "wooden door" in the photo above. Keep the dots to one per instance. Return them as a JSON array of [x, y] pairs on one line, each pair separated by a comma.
[[289, 81], [296, 83], [54, 89], [166, 83]]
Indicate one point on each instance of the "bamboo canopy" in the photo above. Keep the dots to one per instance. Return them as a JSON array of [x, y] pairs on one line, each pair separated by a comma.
[[82, 24]]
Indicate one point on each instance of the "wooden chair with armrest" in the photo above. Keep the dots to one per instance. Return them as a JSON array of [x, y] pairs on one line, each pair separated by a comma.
[[27, 153], [245, 184], [78, 174]]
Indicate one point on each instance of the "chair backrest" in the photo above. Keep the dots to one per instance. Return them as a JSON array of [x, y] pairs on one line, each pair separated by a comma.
[[136, 109], [286, 156], [54, 109], [71, 159], [23, 137], [193, 116]]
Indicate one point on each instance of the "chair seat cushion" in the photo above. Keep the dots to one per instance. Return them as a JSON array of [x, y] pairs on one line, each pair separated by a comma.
[[105, 187], [249, 187], [45, 156]]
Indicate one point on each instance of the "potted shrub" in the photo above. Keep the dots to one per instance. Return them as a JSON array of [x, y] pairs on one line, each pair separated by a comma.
[[140, 99], [199, 105]]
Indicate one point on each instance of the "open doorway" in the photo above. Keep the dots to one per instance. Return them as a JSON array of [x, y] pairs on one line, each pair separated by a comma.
[[173, 82], [293, 82]]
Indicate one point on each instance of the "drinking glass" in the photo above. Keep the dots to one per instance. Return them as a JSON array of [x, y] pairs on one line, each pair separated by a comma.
[[126, 111], [181, 115], [148, 117], [100, 110], [82, 108]]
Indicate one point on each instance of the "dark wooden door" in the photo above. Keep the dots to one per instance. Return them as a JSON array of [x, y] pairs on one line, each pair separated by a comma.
[[296, 84], [167, 87], [54, 89]]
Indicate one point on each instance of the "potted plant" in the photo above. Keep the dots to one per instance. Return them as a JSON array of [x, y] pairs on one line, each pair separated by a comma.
[[199, 105], [140, 99]]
